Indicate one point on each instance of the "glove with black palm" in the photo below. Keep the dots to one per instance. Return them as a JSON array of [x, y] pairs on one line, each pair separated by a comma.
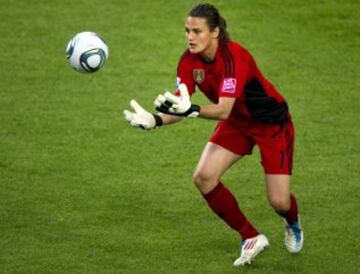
[[177, 105]]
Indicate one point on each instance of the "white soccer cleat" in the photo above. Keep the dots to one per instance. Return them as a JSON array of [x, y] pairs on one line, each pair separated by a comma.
[[294, 237], [250, 248]]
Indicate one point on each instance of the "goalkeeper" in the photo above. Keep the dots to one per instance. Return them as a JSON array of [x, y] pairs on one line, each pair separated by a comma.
[[250, 112]]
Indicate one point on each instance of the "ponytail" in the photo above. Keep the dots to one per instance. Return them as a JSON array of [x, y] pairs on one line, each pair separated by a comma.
[[224, 36]]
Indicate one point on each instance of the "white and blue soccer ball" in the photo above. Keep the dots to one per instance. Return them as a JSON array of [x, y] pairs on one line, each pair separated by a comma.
[[87, 52]]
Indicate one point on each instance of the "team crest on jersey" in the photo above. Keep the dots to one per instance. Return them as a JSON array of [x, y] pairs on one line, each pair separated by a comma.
[[199, 75]]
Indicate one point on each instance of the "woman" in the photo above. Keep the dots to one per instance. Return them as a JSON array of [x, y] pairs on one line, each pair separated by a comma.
[[250, 111]]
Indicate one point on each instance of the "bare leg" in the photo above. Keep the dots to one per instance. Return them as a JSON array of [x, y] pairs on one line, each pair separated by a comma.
[[214, 161], [284, 203], [278, 191]]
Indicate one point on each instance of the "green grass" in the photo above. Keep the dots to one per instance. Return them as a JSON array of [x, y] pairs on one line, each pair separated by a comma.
[[83, 192]]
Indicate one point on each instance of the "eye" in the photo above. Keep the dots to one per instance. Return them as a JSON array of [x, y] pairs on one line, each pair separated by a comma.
[[187, 30]]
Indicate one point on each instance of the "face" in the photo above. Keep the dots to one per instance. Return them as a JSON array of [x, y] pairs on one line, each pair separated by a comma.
[[200, 39]]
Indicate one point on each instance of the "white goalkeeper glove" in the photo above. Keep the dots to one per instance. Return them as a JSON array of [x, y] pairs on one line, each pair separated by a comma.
[[141, 118], [174, 105]]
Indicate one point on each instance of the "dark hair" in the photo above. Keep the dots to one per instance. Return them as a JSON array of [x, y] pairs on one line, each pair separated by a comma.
[[213, 20]]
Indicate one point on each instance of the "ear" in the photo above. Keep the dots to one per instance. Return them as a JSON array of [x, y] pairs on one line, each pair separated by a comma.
[[215, 33]]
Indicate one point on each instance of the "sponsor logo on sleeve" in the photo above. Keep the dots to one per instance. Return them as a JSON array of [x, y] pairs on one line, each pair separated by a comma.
[[229, 85]]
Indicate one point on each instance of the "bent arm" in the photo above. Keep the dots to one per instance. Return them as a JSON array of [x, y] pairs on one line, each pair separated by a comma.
[[219, 111], [171, 105]]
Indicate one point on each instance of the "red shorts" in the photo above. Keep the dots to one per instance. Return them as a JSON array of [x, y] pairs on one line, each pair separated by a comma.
[[276, 143]]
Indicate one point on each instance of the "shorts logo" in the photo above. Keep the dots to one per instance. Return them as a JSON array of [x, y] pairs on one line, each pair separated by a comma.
[[199, 75], [229, 85]]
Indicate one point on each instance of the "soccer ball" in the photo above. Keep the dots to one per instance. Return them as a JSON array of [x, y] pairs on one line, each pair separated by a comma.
[[87, 52]]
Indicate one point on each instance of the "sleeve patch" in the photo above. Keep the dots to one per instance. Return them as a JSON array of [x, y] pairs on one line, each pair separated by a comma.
[[229, 85]]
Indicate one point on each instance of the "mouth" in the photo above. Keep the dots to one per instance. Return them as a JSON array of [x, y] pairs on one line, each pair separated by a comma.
[[192, 45]]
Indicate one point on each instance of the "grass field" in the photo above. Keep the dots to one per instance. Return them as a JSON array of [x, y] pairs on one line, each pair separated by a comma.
[[83, 192]]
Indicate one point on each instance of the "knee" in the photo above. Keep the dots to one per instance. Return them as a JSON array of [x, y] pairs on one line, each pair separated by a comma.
[[203, 179], [280, 204]]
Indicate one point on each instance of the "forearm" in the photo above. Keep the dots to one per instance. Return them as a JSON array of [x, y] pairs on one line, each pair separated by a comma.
[[169, 119], [216, 112]]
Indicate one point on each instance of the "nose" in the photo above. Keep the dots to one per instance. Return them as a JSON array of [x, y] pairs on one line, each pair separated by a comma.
[[190, 36]]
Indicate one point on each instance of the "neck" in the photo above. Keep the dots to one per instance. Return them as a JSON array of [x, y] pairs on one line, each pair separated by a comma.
[[209, 53]]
